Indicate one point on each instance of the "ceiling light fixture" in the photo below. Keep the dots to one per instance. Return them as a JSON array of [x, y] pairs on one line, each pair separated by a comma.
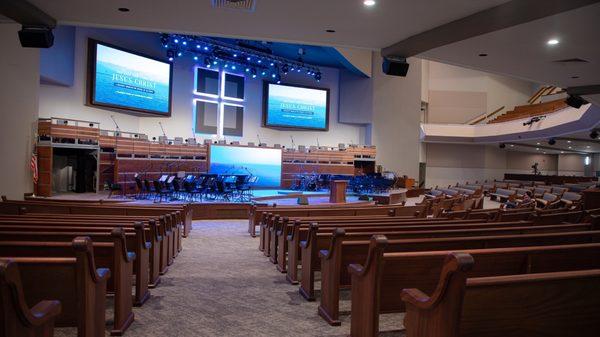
[[552, 42], [483, 55], [123, 9], [369, 3], [330, 31]]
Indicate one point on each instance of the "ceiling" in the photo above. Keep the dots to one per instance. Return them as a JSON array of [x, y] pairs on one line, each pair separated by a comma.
[[521, 51], [574, 143], [302, 21]]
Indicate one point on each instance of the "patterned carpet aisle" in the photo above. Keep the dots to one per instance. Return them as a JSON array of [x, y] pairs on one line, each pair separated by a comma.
[[221, 285]]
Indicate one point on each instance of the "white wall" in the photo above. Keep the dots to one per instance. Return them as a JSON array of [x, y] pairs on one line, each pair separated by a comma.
[[396, 116], [496, 90], [69, 102], [20, 72], [448, 164]]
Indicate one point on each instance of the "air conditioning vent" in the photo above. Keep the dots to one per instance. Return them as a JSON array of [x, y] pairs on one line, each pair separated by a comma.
[[246, 5], [573, 60]]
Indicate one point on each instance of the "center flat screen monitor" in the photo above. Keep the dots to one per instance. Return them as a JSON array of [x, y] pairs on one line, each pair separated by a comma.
[[264, 163], [295, 107], [128, 81]]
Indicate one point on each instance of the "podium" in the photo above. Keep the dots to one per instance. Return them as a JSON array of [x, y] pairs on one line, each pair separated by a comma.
[[337, 192]]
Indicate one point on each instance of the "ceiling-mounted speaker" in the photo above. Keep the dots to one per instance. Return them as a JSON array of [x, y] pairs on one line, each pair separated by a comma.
[[36, 37], [398, 67]]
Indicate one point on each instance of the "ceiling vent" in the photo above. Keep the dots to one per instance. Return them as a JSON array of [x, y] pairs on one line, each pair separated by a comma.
[[573, 60], [245, 5]]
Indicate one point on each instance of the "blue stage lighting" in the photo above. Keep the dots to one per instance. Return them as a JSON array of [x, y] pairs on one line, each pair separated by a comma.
[[171, 59], [197, 46], [248, 58], [205, 48], [195, 58], [233, 67], [259, 61], [247, 70], [234, 55], [176, 41], [184, 43], [179, 54]]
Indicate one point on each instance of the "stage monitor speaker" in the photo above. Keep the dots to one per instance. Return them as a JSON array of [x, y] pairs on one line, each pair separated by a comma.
[[36, 37], [395, 67]]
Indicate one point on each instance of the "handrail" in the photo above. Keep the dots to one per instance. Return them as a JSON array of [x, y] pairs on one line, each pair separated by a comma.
[[484, 116]]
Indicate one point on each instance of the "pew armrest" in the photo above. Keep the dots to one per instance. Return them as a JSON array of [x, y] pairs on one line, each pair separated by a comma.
[[102, 275], [416, 298], [45, 310], [356, 269]]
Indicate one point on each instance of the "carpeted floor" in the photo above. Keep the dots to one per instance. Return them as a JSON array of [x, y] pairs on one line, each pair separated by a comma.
[[221, 285]]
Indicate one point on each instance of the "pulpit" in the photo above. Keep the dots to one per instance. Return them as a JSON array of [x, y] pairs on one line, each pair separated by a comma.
[[337, 192]]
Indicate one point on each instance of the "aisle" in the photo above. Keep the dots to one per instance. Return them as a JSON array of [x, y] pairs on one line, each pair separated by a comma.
[[221, 285]]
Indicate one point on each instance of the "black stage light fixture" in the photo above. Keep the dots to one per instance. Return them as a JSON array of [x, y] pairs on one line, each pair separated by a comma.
[[551, 141], [575, 101], [594, 134], [285, 68], [502, 145]]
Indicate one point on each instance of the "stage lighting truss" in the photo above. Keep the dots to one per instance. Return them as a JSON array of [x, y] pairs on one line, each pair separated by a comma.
[[213, 53]]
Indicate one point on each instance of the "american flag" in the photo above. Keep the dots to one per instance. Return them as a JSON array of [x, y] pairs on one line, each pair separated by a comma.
[[33, 164]]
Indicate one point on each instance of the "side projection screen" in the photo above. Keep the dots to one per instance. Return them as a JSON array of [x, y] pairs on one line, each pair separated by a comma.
[[263, 163], [295, 107], [126, 80]]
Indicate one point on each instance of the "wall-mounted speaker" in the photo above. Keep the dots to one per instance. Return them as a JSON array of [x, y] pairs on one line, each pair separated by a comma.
[[395, 67], [36, 37]]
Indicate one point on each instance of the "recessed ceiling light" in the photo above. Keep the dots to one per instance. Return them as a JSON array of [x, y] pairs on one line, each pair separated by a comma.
[[483, 55], [512, 145], [544, 152], [552, 42], [369, 3], [123, 9], [562, 151], [330, 31], [537, 148], [575, 77], [568, 141], [570, 147], [588, 146], [537, 143]]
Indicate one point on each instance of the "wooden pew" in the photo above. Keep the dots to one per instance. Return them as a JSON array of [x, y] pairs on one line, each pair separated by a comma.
[[172, 233], [340, 255], [256, 215], [156, 232], [378, 282], [546, 304], [134, 240], [298, 233], [318, 241], [18, 319], [81, 290], [182, 212], [111, 255], [280, 228]]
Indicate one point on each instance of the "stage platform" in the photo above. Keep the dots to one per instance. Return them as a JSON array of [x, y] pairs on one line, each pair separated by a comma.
[[219, 209]]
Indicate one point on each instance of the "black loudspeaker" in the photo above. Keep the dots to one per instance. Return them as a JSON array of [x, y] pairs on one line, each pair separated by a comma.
[[575, 101], [36, 37], [395, 67]]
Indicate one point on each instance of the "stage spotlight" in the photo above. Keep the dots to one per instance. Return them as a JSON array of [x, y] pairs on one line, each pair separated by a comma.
[[170, 53], [195, 58], [502, 145], [164, 39], [575, 101], [551, 141], [253, 72], [594, 134], [285, 68], [318, 76], [207, 62]]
